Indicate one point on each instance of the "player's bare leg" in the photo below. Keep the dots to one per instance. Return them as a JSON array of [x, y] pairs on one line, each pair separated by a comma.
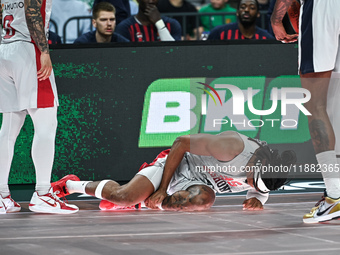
[[195, 198], [134, 192], [323, 138], [320, 128]]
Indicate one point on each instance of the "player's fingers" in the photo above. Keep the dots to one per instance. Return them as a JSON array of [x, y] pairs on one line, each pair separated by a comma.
[[289, 38], [246, 205], [41, 73], [146, 202], [44, 73]]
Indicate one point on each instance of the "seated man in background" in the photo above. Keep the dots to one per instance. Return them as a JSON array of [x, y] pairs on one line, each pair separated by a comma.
[[123, 8], [104, 20], [245, 28], [192, 29], [217, 6], [149, 26], [186, 177]]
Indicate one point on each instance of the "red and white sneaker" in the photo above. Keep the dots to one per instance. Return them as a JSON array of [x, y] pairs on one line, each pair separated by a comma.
[[9, 205], [109, 206], [50, 203], [62, 184], [2, 206]]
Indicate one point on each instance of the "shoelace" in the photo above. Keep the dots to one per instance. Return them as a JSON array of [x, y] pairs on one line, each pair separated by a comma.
[[56, 198], [320, 201]]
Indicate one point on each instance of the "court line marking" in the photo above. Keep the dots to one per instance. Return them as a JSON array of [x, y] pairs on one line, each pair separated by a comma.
[[279, 230], [163, 233], [274, 252], [119, 213]]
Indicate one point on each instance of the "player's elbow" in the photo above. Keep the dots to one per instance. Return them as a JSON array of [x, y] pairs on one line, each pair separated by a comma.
[[182, 142]]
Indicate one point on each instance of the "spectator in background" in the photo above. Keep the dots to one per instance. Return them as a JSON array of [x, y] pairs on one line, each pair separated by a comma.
[[122, 8], [245, 28], [104, 20], [62, 10], [148, 25], [53, 38], [218, 6], [192, 30]]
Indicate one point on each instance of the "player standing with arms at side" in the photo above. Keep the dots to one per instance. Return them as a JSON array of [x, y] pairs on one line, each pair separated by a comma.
[[319, 56], [27, 86]]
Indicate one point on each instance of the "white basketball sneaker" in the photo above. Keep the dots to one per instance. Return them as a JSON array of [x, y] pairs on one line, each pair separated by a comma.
[[8, 205], [2, 206], [50, 203], [326, 209]]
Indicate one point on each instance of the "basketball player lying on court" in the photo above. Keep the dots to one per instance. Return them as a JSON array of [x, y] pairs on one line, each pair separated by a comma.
[[186, 177]]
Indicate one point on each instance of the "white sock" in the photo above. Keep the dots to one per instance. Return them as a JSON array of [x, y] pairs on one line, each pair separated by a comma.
[[42, 189], [4, 190], [330, 177], [76, 186]]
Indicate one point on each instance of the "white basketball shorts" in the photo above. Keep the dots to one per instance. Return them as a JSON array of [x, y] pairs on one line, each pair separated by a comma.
[[181, 180], [319, 36], [19, 86]]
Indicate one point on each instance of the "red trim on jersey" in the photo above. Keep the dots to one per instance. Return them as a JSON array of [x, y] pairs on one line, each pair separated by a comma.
[[43, 11], [229, 34], [222, 35], [163, 154], [168, 26], [242, 37], [236, 34], [263, 37], [257, 36], [132, 33], [140, 38], [152, 32], [147, 37], [45, 97]]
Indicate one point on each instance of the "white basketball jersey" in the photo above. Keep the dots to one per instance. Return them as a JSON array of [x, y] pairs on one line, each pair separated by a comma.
[[14, 20], [224, 177]]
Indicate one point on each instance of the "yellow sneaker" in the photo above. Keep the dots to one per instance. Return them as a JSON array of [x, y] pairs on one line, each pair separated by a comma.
[[326, 209]]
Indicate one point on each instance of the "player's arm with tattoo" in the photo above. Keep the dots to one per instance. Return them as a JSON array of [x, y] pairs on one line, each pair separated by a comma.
[[37, 31], [280, 9]]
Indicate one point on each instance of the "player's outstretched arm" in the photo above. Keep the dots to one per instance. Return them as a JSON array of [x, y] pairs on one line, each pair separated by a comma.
[[224, 147], [280, 9], [37, 31]]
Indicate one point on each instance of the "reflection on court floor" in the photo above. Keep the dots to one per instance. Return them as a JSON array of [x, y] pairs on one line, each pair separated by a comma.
[[224, 229]]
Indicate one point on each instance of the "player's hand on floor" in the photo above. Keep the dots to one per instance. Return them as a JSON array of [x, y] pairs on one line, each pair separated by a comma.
[[156, 199], [252, 204]]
